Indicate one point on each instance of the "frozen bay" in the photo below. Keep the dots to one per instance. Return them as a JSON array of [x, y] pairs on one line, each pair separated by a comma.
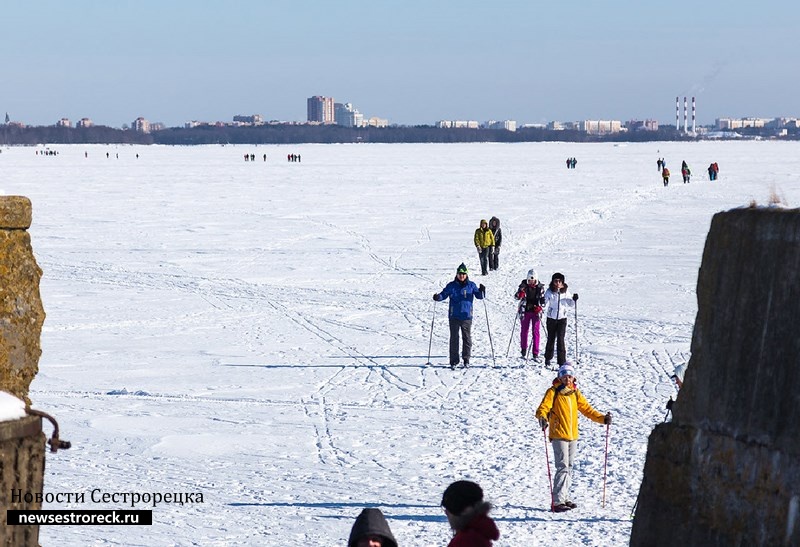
[[258, 331]]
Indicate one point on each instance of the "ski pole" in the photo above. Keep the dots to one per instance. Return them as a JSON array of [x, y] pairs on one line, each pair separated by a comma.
[[430, 343], [513, 328], [486, 311], [605, 466], [549, 477], [543, 326], [577, 358]]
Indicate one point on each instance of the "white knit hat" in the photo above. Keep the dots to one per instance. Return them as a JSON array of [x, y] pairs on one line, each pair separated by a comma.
[[566, 370]]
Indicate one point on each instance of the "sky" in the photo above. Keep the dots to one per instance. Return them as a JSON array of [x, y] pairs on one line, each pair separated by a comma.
[[409, 61], [253, 333]]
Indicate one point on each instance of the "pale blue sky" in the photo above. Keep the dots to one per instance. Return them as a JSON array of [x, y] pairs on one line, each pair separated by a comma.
[[411, 61]]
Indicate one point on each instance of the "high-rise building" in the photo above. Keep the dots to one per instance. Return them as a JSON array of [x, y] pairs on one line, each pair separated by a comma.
[[141, 125], [347, 116], [320, 109]]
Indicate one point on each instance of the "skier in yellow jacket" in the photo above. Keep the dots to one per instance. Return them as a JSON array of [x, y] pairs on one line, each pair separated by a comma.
[[484, 243], [559, 409]]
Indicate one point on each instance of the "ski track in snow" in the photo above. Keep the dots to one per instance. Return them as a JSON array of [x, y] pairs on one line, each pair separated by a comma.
[[269, 347]]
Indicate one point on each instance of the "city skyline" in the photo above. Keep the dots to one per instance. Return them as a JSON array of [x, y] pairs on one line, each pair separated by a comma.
[[412, 63]]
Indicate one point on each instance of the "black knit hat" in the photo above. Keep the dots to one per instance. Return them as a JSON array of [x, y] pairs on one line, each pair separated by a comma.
[[557, 275], [460, 495], [462, 268]]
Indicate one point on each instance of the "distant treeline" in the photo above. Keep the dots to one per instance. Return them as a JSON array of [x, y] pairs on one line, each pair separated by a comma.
[[324, 134], [332, 134], [98, 134]]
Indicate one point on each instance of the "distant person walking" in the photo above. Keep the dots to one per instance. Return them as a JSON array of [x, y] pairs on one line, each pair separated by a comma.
[[559, 410], [461, 292], [665, 176], [494, 257], [658, 164], [484, 243], [556, 304], [686, 173]]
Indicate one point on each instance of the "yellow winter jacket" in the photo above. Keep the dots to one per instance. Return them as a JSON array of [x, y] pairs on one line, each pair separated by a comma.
[[561, 411], [484, 237]]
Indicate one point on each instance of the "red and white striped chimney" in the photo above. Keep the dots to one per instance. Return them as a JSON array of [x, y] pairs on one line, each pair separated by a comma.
[[685, 115]]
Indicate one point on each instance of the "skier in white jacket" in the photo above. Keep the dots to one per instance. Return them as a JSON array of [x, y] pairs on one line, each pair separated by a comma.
[[556, 303]]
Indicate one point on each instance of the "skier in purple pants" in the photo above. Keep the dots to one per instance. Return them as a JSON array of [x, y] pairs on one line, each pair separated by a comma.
[[531, 296]]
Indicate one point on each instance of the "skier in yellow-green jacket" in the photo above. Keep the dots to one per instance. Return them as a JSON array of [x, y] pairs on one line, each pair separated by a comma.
[[559, 410], [484, 244]]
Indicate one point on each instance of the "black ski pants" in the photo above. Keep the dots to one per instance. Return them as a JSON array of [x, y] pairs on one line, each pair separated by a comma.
[[556, 331], [465, 328], [483, 255], [494, 258]]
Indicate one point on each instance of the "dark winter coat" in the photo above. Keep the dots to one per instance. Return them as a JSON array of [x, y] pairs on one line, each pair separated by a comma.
[[474, 529], [494, 225], [461, 295], [371, 522], [533, 295]]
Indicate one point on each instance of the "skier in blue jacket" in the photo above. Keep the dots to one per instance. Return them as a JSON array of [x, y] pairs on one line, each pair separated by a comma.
[[461, 291]]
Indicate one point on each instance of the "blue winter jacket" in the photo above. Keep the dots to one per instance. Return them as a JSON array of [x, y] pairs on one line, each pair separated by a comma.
[[461, 295]]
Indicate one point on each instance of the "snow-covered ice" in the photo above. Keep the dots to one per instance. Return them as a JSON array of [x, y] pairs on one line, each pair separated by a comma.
[[11, 408], [258, 331]]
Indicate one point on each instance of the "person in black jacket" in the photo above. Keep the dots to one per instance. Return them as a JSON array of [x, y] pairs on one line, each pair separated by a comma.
[[494, 258], [531, 296], [371, 530]]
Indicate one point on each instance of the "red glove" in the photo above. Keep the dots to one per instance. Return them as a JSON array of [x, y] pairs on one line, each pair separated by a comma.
[[538, 309], [520, 294]]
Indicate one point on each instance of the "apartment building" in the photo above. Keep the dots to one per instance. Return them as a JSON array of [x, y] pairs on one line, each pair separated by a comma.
[[320, 109]]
